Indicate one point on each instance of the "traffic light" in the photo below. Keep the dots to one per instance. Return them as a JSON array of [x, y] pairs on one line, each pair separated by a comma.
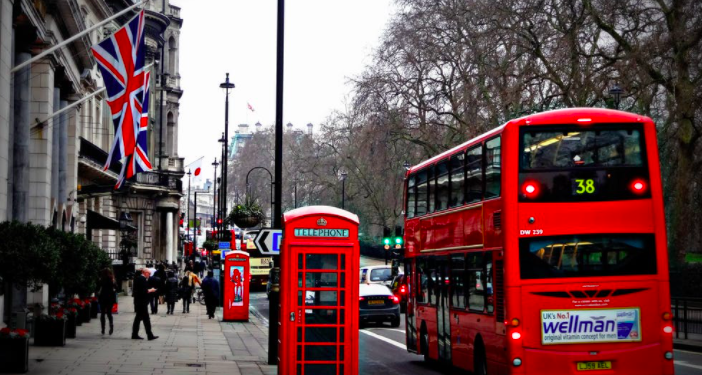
[[219, 221], [386, 243], [398, 242]]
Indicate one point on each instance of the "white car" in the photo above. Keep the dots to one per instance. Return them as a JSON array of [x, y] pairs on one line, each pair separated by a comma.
[[377, 275]]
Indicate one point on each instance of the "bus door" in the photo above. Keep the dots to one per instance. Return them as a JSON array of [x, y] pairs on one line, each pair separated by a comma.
[[411, 324], [443, 315]]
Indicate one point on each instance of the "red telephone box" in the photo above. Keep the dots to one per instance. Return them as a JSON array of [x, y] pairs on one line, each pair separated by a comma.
[[319, 292], [236, 286]]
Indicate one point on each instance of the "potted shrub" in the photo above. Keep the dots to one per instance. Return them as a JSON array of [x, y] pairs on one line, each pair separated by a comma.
[[14, 350], [85, 311], [77, 305], [247, 214], [94, 307], [50, 330], [71, 314]]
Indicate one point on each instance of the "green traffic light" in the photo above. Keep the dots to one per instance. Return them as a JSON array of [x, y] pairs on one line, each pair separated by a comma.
[[398, 240], [386, 241]]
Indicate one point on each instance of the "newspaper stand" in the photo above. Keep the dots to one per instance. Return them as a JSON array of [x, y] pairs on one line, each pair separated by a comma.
[[236, 286], [319, 292]]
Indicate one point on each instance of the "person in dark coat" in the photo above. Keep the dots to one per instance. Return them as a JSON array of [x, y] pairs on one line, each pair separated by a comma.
[[186, 291], [171, 292], [154, 282], [161, 274], [141, 296], [107, 298], [210, 288]]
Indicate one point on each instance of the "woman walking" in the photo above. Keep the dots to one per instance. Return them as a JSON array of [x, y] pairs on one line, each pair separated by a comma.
[[186, 291], [171, 292], [107, 297]]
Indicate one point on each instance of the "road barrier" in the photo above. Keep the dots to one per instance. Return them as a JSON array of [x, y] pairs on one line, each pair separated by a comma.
[[687, 316]]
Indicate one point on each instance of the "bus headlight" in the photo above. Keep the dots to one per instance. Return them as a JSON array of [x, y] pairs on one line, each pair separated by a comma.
[[517, 362]]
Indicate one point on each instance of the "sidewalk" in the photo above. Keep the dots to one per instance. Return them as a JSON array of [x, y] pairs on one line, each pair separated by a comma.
[[187, 344]]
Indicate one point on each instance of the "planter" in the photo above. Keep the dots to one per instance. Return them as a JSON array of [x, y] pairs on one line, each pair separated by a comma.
[[247, 221], [14, 355], [50, 332], [71, 326], [94, 309], [85, 314]]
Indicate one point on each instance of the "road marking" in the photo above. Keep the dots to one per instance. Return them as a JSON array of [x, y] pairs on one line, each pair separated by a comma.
[[682, 363], [686, 351], [381, 338], [389, 329]]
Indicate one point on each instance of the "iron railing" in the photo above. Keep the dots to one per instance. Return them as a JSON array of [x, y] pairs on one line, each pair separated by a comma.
[[687, 316]]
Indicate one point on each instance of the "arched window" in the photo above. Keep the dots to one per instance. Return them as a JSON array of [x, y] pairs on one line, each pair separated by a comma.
[[172, 49]]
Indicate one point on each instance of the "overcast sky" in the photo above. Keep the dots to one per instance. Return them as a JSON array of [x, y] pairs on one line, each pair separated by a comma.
[[326, 43]]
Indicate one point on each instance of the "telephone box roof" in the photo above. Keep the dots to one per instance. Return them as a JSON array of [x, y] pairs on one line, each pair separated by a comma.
[[319, 210]]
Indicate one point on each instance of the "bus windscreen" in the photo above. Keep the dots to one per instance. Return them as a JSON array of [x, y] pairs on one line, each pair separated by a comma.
[[587, 256]]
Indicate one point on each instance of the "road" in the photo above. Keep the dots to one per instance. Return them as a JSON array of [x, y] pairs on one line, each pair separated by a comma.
[[382, 349]]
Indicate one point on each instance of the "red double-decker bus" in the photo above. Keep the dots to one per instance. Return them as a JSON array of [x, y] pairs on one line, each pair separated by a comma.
[[540, 248]]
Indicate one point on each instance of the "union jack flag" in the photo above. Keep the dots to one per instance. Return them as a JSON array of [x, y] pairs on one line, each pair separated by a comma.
[[121, 61]]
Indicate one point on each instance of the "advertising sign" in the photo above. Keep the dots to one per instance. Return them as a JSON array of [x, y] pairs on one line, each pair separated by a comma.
[[591, 325], [236, 274]]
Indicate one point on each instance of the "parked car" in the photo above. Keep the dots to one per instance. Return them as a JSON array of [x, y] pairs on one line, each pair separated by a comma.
[[400, 289], [378, 304], [377, 275]]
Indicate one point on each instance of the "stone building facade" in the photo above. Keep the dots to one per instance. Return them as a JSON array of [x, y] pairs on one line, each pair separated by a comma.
[[51, 168]]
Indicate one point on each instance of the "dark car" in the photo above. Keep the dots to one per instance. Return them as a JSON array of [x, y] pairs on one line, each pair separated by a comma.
[[400, 289], [378, 304]]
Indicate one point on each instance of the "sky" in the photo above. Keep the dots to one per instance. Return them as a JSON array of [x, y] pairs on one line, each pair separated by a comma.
[[326, 43]]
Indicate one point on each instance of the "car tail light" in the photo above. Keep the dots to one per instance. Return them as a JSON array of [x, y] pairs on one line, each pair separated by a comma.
[[361, 298], [394, 299]]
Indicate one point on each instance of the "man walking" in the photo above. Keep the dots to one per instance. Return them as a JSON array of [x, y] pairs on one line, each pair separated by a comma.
[[141, 305], [210, 288]]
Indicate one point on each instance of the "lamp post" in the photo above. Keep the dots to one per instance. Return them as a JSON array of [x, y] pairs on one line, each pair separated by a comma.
[[226, 85], [220, 226], [272, 185], [616, 93], [343, 189], [214, 195], [187, 216]]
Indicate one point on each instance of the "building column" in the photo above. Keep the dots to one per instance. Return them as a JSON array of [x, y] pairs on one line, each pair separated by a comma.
[[41, 142], [55, 128], [6, 109], [20, 167], [62, 164], [170, 254]]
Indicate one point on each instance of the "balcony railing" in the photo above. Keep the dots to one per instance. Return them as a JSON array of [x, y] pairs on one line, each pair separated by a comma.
[[174, 11], [158, 179]]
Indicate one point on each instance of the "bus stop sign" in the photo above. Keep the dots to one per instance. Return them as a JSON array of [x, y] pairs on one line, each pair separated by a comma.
[[268, 241]]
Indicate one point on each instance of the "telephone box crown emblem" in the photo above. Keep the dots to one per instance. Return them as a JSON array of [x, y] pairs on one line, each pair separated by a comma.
[[321, 222]]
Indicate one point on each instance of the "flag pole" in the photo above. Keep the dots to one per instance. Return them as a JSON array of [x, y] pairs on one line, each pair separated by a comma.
[[79, 35], [76, 103]]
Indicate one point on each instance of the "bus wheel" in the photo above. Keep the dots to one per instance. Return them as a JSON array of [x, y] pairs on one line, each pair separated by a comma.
[[480, 367]]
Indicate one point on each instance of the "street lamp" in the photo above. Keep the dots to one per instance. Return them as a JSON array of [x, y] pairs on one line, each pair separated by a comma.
[[214, 195], [343, 189], [226, 85], [616, 93], [187, 205], [223, 141]]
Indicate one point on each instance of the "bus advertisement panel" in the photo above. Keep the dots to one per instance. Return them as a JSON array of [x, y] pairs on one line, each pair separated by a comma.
[[540, 248]]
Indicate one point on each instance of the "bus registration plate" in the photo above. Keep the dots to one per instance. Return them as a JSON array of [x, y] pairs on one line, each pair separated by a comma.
[[601, 365]]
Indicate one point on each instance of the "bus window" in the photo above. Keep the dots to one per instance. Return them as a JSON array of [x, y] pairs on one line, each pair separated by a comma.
[[474, 174], [432, 282], [442, 186], [458, 171], [588, 255], [421, 193], [422, 280], [432, 189], [492, 168], [411, 196], [458, 297], [476, 287], [489, 303]]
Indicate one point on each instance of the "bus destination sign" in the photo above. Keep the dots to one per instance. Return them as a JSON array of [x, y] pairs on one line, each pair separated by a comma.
[[309, 232]]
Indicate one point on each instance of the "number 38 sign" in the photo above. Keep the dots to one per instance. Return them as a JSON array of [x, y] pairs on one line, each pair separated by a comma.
[[583, 186]]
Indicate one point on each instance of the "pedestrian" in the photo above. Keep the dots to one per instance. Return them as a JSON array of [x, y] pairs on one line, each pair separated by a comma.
[[141, 295], [174, 266], [161, 274], [107, 297], [156, 284], [210, 288], [186, 292], [171, 292], [193, 281]]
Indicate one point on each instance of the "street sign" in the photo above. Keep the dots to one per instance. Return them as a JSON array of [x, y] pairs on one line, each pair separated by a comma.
[[268, 241], [224, 245]]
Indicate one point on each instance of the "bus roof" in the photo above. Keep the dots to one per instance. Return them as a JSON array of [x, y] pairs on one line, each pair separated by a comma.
[[580, 115]]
